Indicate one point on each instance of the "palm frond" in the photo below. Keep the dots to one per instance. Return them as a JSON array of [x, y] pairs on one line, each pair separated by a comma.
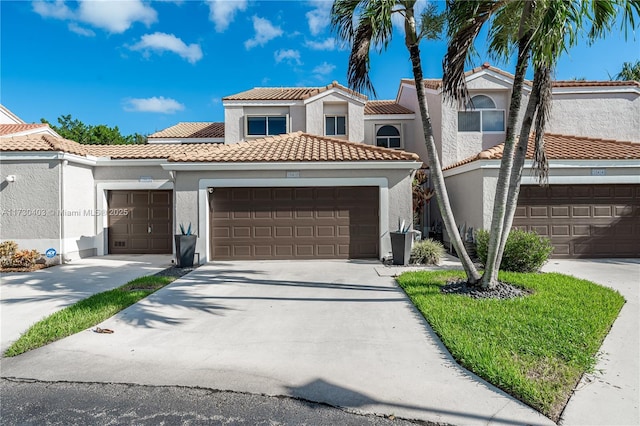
[[464, 21], [359, 61]]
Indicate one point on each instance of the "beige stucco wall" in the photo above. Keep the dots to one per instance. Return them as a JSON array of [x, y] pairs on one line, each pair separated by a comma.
[[414, 142], [187, 193], [465, 195], [107, 173], [407, 131], [79, 199], [31, 205], [233, 124], [599, 115], [336, 103]]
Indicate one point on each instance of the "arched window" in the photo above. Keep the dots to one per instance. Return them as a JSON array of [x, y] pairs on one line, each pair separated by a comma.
[[481, 116], [388, 136]]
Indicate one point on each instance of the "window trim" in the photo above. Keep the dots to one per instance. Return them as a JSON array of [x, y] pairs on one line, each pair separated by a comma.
[[398, 127], [266, 116], [480, 110], [346, 125]]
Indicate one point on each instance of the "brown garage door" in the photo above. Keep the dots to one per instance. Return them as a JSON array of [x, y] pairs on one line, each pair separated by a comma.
[[140, 222], [294, 223], [583, 220]]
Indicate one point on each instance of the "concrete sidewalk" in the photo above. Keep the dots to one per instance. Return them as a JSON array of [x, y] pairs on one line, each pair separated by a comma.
[[612, 395], [27, 297], [326, 331]]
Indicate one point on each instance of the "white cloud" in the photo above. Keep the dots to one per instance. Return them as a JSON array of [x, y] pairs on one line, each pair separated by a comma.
[[113, 16], [116, 16], [155, 104], [265, 31], [160, 42], [289, 55], [327, 44], [222, 12], [57, 9], [319, 17], [80, 30], [324, 69]]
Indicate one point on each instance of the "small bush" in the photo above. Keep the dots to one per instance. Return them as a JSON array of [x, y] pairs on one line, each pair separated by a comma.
[[8, 248], [427, 252], [524, 251]]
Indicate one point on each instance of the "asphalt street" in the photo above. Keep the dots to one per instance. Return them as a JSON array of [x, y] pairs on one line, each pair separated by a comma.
[[63, 403]]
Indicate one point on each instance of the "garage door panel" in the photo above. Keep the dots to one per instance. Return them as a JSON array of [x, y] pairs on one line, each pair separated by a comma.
[[602, 219], [296, 222], [148, 226]]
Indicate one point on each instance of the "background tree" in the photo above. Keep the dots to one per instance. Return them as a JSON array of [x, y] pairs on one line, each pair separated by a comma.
[[629, 72], [100, 134], [366, 25]]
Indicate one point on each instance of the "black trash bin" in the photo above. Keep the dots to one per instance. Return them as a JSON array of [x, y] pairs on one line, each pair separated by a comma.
[[401, 247], [185, 250]]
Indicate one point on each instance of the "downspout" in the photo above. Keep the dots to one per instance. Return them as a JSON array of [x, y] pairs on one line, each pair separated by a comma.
[[63, 163]]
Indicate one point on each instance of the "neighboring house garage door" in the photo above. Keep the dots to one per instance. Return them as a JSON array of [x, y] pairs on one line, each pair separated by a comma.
[[583, 220], [140, 222], [294, 223]]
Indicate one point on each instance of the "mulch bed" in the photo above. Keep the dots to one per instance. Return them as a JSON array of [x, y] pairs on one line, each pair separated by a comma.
[[35, 267], [500, 291]]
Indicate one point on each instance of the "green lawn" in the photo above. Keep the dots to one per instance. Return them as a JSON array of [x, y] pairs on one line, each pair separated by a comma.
[[86, 313], [537, 347]]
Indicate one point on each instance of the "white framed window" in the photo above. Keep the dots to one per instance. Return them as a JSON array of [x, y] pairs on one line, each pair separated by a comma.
[[335, 125], [265, 125], [482, 117], [389, 136]]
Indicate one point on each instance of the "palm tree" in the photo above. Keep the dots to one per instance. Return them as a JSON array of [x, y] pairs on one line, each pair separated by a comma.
[[366, 25], [545, 30], [629, 72]]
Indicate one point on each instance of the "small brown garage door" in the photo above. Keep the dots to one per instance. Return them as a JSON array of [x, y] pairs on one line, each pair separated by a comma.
[[583, 220], [294, 223], [140, 222]]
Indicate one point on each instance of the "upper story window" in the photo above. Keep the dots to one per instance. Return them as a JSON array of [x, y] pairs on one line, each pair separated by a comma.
[[484, 117], [335, 125], [270, 125], [388, 136]]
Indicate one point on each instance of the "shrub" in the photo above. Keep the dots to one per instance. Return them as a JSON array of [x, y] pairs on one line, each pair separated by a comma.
[[8, 248], [523, 252], [25, 258], [427, 252]]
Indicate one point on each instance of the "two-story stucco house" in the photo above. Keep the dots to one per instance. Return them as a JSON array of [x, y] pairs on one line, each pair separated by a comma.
[[323, 172]]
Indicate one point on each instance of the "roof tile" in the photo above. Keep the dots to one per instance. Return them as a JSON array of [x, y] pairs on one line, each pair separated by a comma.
[[192, 130], [287, 93], [385, 107], [566, 147], [8, 129]]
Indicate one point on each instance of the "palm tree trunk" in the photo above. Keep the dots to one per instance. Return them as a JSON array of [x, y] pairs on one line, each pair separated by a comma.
[[520, 156], [502, 196], [433, 160]]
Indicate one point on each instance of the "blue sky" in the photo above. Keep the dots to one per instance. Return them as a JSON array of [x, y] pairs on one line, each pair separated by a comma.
[[145, 66]]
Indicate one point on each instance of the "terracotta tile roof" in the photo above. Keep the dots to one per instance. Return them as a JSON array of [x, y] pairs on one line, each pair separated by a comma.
[[294, 147], [8, 129], [436, 83], [385, 107], [287, 93], [565, 147], [575, 83], [40, 142], [145, 152], [192, 130]]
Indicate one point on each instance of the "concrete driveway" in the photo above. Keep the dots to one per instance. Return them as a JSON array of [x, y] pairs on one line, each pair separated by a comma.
[[328, 331], [27, 297], [612, 395]]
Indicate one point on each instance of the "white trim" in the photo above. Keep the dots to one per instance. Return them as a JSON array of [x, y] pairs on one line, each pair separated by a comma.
[[184, 140], [47, 156], [594, 90], [553, 164], [287, 124], [336, 90], [107, 161], [259, 102], [581, 180], [346, 125], [293, 165], [101, 239], [390, 117], [397, 126], [203, 200]]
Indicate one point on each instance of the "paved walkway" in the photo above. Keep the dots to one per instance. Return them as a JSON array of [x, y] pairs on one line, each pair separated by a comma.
[[26, 298], [612, 395], [326, 331]]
